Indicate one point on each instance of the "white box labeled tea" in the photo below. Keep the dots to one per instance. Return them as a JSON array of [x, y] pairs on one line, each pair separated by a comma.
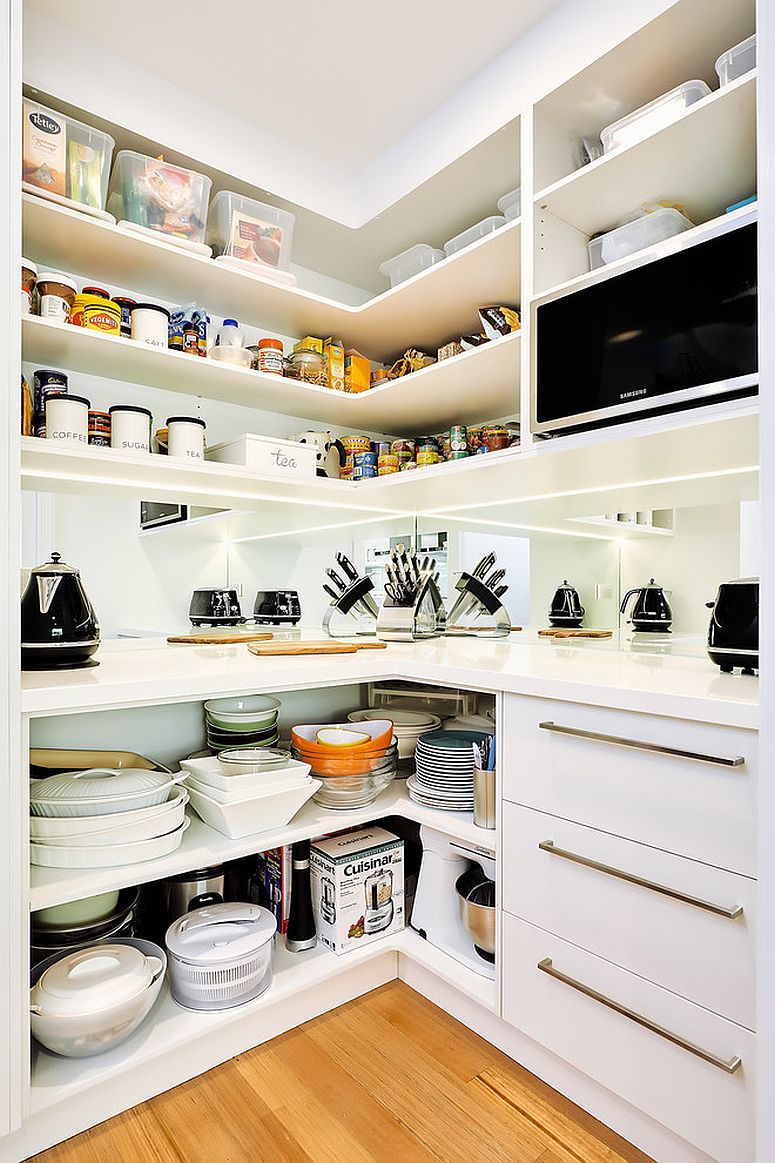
[[358, 887]]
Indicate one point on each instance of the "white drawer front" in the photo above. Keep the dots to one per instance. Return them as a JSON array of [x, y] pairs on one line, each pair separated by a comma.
[[692, 807], [700, 1101], [706, 957]]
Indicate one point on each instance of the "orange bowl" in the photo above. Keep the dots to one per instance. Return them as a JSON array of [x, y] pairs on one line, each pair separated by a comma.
[[304, 738]]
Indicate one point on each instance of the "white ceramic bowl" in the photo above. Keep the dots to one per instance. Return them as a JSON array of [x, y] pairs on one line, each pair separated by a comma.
[[210, 777], [257, 709], [82, 912], [44, 828], [96, 856], [246, 817], [84, 1035]]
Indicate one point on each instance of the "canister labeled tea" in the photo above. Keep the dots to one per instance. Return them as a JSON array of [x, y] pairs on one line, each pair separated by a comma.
[[186, 437]]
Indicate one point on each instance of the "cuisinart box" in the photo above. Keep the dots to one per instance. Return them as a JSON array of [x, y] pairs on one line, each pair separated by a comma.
[[358, 887]]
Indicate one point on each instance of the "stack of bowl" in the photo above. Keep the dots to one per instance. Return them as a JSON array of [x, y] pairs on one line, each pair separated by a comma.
[[408, 725], [247, 790], [105, 816], [62, 928], [245, 721], [354, 762]]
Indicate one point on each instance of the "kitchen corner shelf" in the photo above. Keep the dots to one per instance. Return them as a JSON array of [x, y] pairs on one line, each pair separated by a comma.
[[481, 384], [424, 311]]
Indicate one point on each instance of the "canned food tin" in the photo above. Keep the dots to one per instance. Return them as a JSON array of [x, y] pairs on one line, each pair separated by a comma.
[[426, 457], [389, 460], [355, 444], [458, 437], [403, 447], [408, 465], [362, 472], [481, 450], [362, 459], [459, 454], [47, 383], [381, 447], [474, 439], [496, 438]]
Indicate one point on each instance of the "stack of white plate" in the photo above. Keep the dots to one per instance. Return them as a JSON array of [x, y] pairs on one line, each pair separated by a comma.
[[105, 816], [444, 778], [408, 726], [243, 791]]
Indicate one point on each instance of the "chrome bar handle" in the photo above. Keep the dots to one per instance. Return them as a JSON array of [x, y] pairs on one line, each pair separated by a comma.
[[638, 745], [728, 1065], [720, 910]]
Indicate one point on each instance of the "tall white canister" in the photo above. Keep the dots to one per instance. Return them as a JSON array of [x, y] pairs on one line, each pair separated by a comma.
[[186, 437], [130, 428], [67, 419]]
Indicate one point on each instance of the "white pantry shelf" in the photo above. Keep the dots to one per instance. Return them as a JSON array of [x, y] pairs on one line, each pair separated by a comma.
[[705, 160], [203, 846], [481, 384], [424, 311]]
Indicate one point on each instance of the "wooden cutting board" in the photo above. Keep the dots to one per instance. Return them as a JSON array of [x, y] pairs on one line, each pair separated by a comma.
[[476, 629], [213, 638], [560, 633], [330, 646]]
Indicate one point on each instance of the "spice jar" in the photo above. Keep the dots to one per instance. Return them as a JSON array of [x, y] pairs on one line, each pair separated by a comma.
[[67, 419], [150, 324], [186, 437], [57, 294], [99, 429], [125, 306], [308, 365], [29, 279], [191, 337], [130, 428], [270, 356]]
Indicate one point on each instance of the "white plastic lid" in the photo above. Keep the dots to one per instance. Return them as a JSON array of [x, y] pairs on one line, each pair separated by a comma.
[[58, 277], [222, 933], [93, 979], [29, 265], [99, 783]]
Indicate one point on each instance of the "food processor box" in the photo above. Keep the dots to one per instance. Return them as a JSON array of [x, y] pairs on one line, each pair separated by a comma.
[[357, 887]]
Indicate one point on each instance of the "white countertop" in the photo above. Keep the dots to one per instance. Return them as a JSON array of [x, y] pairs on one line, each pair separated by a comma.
[[143, 672]]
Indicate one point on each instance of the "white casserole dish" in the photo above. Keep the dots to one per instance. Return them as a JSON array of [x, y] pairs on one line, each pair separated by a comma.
[[43, 828], [99, 791], [53, 856], [170, 818], [241, 818]]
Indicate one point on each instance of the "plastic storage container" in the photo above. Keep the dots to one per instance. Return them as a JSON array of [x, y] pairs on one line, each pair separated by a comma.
[[633, 236], [474, 233], [154, 195], [737, 61], [510, 204], [254, 232], [63, 159], [410, 262], [656, 115]]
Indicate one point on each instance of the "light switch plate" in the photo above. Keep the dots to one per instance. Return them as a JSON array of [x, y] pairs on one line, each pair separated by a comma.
[[603, 592]]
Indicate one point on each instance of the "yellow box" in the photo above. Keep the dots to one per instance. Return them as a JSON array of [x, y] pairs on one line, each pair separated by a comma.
[[357, 371], [335, 353], [309, 341]]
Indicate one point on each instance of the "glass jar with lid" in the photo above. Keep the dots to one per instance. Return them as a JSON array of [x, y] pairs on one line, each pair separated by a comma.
[[308, 365]]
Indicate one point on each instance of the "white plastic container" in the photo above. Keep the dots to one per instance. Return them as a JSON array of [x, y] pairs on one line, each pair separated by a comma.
[[250, 231], [645, 231], [130, 428], [65, 160], [474, 233], [220, 956], [247, 817], [410, 262], [510, 205], [656, 115], [186, 437], [267, 455], [154, 195], [150, 324], [67, 419], [737, 61]]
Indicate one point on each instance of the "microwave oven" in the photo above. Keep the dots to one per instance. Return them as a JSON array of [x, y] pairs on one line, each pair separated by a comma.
[[674, 332]]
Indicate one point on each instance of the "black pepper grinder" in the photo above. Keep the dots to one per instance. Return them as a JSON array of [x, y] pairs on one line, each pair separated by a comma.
[[301, 932]]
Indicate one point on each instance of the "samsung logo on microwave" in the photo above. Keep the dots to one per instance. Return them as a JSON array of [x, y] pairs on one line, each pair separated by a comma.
[[633, 393], [45, 124]]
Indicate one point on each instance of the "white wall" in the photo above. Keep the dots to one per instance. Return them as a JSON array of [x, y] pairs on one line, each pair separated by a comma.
[[704, 551], [585, 564]]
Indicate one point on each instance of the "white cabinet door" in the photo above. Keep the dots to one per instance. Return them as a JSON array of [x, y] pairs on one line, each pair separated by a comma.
[[569, 879], [704, 807], [709, 1103]]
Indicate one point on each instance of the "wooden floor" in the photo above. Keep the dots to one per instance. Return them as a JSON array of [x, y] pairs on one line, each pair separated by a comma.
[[388, 1078]]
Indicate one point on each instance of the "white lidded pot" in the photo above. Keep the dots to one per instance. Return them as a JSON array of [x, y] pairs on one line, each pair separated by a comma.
[[100, 791], [90, 1000], [220, 955]]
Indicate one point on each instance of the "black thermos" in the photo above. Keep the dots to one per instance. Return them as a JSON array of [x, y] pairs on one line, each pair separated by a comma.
[[301, 919]]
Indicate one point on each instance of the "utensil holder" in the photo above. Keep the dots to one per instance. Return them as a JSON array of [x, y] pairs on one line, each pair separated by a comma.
[[424, 617], [484, 798]]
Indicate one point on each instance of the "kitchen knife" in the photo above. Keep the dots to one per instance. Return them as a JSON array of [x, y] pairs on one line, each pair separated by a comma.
[[347, 567], [485, 565], [330, 592], [335, 578], [501, 590], [497, 576]]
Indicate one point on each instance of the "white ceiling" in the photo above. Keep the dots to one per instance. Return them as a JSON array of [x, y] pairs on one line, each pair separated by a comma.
[[344, 81]]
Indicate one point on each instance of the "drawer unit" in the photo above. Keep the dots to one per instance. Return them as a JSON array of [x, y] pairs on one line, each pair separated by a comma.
[[687, 1068], [687, 787], [681, 924]]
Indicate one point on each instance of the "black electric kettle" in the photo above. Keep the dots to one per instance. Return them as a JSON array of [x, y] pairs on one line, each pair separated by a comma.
[[566, 608], [651, 610], [59, 626]]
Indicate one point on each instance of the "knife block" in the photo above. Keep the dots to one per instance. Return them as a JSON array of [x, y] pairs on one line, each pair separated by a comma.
[[483, 613], [425, 617], [351, 614]]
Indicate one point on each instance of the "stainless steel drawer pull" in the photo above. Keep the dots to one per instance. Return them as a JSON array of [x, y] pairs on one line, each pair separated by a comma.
[[720, 910], [728, 1065], [638, 745]]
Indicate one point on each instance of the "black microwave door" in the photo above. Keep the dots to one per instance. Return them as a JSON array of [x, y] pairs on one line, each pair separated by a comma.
[[681, 322]]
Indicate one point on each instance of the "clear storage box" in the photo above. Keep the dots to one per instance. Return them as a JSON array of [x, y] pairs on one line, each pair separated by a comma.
[[153, 195], [644, 231], [63, 159], [656, 115], [251, 231], [410, 262], [474, 233], [737, 61], [510, 205]]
